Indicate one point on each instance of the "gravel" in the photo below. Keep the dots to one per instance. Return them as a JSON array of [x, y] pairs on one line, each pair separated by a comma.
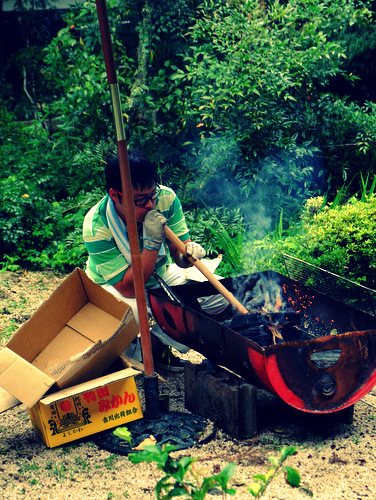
[[336, 460]]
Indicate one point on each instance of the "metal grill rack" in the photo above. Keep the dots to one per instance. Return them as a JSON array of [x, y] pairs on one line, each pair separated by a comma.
[[332, 285]]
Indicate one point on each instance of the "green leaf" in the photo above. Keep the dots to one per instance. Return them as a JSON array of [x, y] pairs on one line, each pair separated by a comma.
[[153, 454], [287, 451], [123, 433], [224, 476], [260, 477], [255, 489], [292, 476], [274, 461]]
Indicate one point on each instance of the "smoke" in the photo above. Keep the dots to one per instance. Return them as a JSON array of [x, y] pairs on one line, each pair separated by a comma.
[[260, 190], [266, 295], [219, 166], [223, 191]]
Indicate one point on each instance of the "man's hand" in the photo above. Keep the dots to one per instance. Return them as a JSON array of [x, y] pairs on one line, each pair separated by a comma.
[[154, 224], [194, 250]]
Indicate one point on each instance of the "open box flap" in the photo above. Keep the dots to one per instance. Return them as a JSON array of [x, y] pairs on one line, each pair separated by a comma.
[[50, 318], [100, 297], [94, 323], [68, 369], [68, 345], [89, 386], [21, 379]]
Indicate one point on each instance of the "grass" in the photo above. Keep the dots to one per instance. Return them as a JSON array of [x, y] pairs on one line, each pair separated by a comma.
[[59, 471], [26, 467], [110, 461], [8, 331]]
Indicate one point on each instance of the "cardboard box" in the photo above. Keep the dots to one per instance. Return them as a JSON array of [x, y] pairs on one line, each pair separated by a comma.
[[72, 338], [88, 408]]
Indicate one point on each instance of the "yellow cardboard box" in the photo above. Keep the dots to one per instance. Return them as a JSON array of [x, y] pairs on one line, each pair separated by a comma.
[[87, 408], [73, 337]]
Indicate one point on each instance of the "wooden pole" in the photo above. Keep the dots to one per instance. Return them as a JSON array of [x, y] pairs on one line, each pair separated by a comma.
[[205, 271]]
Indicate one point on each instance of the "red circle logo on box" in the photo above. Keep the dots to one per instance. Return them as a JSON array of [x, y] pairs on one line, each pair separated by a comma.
[[66, 405]]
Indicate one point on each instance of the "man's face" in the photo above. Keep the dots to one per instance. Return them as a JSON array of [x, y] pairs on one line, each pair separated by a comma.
[[142, 199]]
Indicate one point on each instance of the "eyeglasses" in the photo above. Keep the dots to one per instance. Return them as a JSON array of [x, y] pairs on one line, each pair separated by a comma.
[[141, 202]]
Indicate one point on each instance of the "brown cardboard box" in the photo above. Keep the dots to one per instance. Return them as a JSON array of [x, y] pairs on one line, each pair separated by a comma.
[[88, 408], [72, 338]]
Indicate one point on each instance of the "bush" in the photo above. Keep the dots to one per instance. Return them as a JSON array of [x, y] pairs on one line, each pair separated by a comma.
[[340, 240], [260, 73], [229, 98], [38, 232]]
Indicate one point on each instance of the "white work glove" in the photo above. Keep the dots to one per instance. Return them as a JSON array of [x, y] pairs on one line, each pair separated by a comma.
[[154, 224], [194, 250]]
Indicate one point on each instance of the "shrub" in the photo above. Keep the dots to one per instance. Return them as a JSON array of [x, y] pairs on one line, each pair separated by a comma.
[[340, 240]]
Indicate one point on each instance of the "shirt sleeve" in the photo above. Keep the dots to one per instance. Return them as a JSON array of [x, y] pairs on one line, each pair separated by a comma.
[[106, 264], [169, 204]]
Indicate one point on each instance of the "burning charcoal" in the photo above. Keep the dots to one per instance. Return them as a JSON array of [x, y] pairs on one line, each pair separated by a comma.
[[291, 333], [245, 322], [263, 336], [255, 327], [242, 322], [280, 318]]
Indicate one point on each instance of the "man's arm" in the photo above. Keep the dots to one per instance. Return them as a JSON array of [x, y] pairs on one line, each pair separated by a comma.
[[148, 260], [154, 224], [126, 285]]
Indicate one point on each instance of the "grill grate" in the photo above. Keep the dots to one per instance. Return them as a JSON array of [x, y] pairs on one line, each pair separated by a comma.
[[332, 285]]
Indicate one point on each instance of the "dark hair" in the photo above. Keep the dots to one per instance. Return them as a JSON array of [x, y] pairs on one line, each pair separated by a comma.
[[144, 174]]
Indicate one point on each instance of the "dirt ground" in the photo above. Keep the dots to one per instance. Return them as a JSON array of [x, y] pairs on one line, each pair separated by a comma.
[[335, 459]]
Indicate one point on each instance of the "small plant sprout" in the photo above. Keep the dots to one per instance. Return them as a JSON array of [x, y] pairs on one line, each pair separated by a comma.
[[292, 476], [123, 433], [179, 479]]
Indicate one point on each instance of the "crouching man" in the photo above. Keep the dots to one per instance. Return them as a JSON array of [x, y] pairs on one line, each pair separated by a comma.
[[106, 240]]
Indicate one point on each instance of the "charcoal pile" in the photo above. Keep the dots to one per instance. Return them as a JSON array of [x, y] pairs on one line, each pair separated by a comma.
[[266, 328]]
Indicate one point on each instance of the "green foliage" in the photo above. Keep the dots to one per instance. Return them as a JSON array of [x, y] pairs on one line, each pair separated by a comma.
[[38, 231], [74, 69], [342, 240], [44, 184], [233, 100], [292, 476], [180, 479], [257, 70], [350, 145], [339, 238], [220, 233], [250, 104]]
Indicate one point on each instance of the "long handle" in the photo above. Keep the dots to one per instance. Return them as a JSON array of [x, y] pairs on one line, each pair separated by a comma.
[[127, 188], [205, 271]]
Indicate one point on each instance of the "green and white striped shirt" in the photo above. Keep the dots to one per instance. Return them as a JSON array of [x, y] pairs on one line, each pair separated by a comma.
[[106, 264]]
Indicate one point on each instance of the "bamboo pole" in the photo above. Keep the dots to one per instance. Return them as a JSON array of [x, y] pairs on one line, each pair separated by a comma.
[[138, 276]]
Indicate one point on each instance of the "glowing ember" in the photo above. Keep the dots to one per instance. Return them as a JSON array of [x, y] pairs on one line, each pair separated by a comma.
[[281, 313]]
